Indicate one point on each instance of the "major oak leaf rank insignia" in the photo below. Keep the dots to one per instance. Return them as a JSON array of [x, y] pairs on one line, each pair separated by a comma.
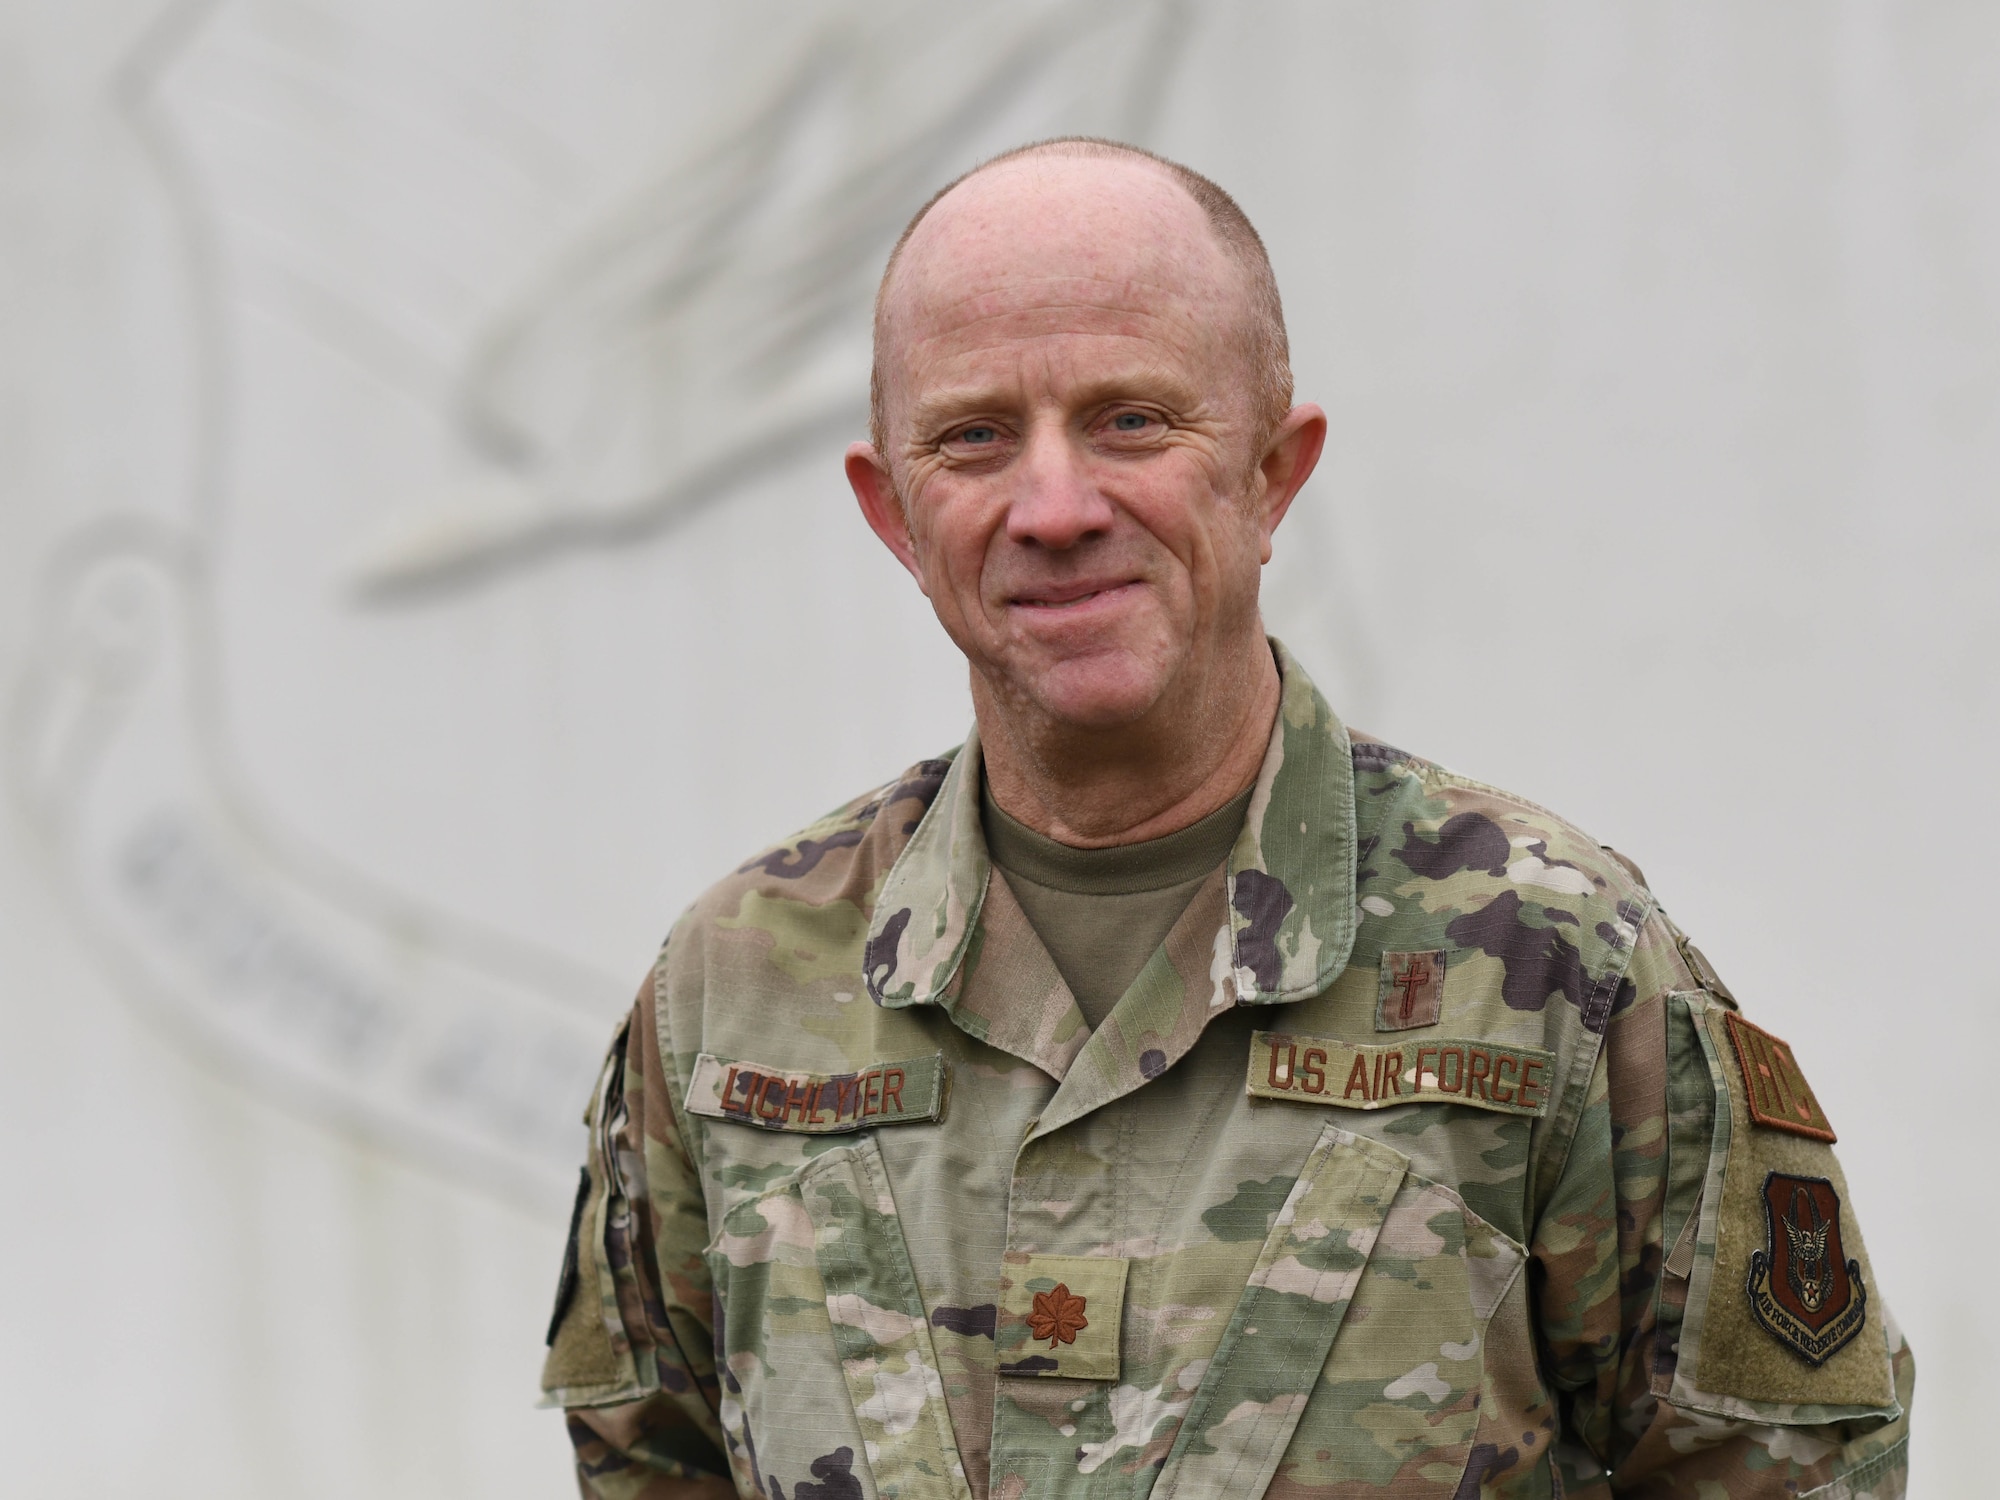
[[1058, 1315], [1802, 1288]]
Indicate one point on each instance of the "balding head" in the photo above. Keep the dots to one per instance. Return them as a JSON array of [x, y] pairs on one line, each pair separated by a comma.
[[1084, 446], [1075, 181]]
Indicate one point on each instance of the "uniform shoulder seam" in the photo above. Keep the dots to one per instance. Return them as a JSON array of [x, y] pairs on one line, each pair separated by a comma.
[[1515, 799], [854, 816], [1379, 755], [1621, 886]]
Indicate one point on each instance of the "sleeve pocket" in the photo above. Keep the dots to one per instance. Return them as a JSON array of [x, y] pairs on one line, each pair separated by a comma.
[[591, 1360], [1779, 1319]]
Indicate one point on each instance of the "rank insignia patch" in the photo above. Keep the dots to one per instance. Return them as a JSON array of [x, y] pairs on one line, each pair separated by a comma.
[[1802, 1289], [1410, 992], [1060, 1315], [1774, 1089]]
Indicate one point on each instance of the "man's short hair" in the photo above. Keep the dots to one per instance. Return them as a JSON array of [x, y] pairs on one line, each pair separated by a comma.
[[1262, 340]]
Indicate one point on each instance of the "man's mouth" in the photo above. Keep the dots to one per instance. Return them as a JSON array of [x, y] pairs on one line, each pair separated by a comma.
[[1056, 597]]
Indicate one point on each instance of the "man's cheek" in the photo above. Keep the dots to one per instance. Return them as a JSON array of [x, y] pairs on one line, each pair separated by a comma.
[[954, 596]]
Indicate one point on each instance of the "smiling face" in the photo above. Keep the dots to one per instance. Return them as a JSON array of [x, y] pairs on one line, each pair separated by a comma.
[[1075, 471]]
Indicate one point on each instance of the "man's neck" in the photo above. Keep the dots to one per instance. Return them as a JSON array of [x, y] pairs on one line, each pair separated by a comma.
[[1098, 788]]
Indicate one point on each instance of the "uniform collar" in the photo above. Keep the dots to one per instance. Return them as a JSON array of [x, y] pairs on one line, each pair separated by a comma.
[[1290, 882]]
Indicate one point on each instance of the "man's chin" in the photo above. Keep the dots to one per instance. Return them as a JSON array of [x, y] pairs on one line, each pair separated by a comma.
[[1102, 691]]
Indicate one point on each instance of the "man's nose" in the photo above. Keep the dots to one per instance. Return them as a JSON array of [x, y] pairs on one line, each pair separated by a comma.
[[1056, 503]]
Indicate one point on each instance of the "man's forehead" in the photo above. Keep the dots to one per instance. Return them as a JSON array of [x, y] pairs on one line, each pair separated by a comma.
[[1041, 228], [1013, 303]]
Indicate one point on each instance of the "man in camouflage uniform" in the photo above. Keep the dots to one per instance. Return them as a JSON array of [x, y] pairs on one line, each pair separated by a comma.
[[1173, 1090]]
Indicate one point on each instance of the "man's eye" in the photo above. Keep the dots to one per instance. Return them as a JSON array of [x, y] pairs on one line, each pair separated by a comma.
[[979, 436], [1131, 421]]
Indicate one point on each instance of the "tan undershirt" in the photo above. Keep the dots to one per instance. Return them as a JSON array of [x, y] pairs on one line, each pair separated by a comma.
[[1101, 913]]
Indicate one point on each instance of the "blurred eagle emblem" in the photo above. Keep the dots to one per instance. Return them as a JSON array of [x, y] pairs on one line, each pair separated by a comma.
[[542, 344], [1802, 1288]]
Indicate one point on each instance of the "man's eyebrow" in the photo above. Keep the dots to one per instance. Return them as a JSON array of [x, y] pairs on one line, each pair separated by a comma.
[[938, 408]]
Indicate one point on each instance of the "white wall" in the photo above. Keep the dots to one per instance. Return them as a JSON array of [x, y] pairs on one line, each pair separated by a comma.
[[425, 564]]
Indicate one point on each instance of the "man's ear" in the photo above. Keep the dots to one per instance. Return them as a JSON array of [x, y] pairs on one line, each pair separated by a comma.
[[1289, 459], [868, 477]]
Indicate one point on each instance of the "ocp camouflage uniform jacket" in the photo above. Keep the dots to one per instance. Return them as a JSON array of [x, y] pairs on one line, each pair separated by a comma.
[[869, 1211]]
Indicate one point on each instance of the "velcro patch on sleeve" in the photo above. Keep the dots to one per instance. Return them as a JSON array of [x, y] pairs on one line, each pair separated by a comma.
[[1781, 1323], [1510, 1079], [910, 1092], [1774, 1090]]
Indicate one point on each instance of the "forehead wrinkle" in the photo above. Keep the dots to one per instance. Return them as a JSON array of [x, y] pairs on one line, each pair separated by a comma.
[[1026, 328], [1052, 323], [1131, 292]]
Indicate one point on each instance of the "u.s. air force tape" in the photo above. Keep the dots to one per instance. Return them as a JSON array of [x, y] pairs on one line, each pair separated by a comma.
[[1437, 1070], [908, 1092]]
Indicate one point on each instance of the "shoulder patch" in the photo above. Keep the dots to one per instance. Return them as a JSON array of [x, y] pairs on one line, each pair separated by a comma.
[[1803, 1289], [1774, 1090]]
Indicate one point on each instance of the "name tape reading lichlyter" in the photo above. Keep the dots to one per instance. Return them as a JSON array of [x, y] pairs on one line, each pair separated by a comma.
[[908, 1092]]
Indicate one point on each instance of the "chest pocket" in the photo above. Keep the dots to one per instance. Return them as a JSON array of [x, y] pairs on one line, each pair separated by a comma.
[[1355, 1356], [831, 1379]]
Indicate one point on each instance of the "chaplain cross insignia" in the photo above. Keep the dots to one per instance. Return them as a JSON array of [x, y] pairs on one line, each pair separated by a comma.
[[1410, 992]]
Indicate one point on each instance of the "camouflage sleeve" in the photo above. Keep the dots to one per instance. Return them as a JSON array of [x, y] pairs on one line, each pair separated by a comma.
[[630, 1347], [1626, 1265]]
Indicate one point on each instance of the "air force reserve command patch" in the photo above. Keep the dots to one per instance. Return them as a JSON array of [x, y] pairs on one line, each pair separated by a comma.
[[1803, 1289], [1510, 1079], [912, 1091]]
